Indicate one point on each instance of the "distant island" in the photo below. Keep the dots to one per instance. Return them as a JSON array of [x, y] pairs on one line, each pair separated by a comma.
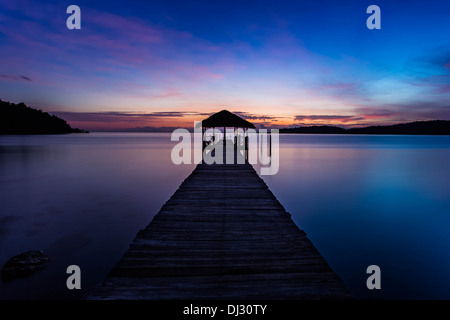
[[432, 127], [21, 119]]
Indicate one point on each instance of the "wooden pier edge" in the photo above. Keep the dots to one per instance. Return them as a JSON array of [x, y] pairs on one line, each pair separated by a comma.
[[221, 235]]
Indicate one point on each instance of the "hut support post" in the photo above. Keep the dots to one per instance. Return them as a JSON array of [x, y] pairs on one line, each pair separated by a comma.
[[246, 143], [224, 150], [270, 144]]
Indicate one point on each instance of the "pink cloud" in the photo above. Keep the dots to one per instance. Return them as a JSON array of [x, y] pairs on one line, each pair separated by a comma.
[[170, 92], [113, 44]]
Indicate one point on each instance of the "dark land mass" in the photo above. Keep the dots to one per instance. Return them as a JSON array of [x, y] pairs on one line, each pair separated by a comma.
[[432, 127], [21, 119]]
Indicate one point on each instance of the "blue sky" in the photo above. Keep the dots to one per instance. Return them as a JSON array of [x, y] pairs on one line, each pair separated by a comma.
[[277, 63]]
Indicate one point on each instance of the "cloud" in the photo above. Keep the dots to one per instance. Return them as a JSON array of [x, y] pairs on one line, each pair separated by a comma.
[[432, 71], [338, 88], [438, 84], [14, 78], [124, 120], [126, 116], [364, 116], [169, 93], [404, 112], [113, 116], [117, 119], [252, 116], [325, 117], [441, 59], [107, 52]]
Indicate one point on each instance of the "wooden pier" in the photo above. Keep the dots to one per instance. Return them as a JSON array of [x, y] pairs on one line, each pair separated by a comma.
[[222, 235]]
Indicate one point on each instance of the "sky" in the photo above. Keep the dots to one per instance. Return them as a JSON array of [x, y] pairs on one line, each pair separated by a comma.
[[275, 63]]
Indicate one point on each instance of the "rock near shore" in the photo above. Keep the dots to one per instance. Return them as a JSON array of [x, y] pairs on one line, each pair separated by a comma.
[[23, 264]]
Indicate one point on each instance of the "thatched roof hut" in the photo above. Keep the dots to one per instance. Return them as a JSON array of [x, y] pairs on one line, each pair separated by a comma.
[[225, 118]]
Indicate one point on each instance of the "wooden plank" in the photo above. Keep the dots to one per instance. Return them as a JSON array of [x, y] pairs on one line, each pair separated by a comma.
[[222, 235]]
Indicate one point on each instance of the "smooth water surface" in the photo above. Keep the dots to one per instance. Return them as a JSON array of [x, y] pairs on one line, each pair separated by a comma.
[[81, 198], [362, 200], [373, 200]]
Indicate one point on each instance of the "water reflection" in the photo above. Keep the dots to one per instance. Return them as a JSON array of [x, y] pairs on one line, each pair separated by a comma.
[[81, 199], [362, 200], [373, 200]]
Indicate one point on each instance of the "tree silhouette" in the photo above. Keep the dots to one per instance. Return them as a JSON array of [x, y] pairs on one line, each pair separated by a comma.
[[432, 127], [20, 119]]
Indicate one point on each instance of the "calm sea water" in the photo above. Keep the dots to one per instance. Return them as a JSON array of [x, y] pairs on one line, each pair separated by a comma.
[[362, 200]]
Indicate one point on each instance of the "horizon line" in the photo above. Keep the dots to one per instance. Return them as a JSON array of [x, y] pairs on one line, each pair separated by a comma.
[[171, 128]]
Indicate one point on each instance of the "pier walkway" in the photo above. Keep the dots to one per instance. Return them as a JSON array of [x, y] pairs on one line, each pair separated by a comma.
[[222, 235]]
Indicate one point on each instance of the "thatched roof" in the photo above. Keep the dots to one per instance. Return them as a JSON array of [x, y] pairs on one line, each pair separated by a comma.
[[225, 118]]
